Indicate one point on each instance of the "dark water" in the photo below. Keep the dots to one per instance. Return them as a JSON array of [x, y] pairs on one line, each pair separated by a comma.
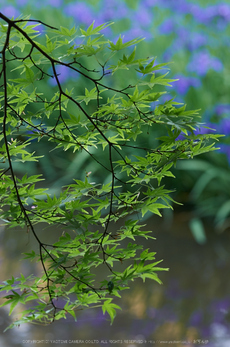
[[190, 308]]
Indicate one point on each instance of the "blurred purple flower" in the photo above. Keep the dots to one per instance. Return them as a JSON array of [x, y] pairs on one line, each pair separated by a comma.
[[167, 27], [63, 73], [55, 3], [143, 16], [196, 40], [168, 54], [200, 130], [181, 40], [219, 10], [224, 148], [203, 129], [151, 3], [182, 86], [206, 15], [202, 61], [224, 127], [80, 11], [210, 12], [222, 108], [222, 305], [114, 10], [224, 11], [183, 34], [197, 12], [219, 309], [137, 32], [180, 6], [196, 318], [22, 2], [10, 11]]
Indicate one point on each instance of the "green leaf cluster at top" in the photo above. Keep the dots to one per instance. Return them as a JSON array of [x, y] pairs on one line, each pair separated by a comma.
[[102, 121]]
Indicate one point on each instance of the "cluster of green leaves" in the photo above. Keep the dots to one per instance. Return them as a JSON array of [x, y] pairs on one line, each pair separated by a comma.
[[99, 220]]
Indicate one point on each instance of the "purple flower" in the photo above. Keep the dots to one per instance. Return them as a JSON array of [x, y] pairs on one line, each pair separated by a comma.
[[200, 130], [196, 318], [167, 27], [181, 40], [222, 305], [182, 86], [202, 61], [209, 13], [63, 73], [55, 3], [197, 12], [225, 149], [222, 108], [137, 32], [224, 11], [143, 17], [219, 310], [204, 129], [183, 34], [22, 2], [151, 3], [196, 40], [112, 10], [80, 11], [220, 10], [224, 127], [10, 11]]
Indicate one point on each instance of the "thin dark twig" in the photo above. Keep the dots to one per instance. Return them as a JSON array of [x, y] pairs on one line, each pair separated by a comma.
[[33, 20]]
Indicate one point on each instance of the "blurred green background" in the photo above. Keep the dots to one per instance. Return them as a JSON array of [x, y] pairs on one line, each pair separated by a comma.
[[194, 37]]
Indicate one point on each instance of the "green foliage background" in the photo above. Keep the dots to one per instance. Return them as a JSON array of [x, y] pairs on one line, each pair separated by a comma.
[[100, 118], [193, 36]]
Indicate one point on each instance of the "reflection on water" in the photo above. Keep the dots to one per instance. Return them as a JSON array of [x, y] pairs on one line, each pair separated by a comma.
[[191, 308]]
